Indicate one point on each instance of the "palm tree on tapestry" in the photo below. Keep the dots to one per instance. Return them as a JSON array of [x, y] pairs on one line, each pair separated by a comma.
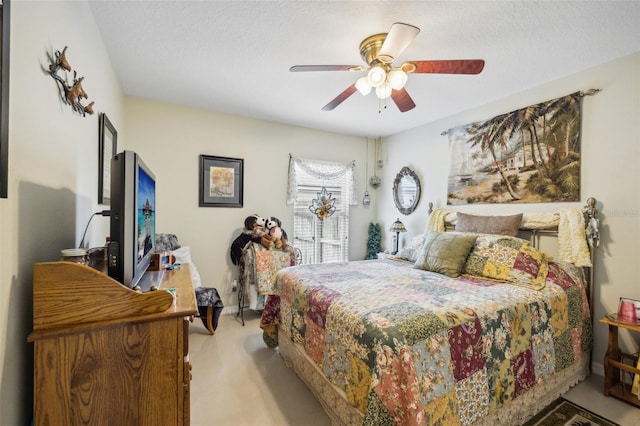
[[489, 135], [551, 130], [560, 127]]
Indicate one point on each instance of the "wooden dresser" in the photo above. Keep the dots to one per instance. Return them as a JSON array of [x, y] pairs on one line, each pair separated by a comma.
[[107, 355]]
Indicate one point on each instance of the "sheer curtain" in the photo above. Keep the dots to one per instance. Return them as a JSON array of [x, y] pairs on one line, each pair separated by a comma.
[[322, 171], [320, 240]]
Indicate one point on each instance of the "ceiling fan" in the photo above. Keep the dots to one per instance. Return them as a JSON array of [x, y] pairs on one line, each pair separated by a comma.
[[379, 51]]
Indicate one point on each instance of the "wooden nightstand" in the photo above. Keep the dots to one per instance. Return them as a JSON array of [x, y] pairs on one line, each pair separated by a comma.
[[614, 364]]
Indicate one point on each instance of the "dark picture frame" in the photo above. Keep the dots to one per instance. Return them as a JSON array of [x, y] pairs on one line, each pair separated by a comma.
[[107, 145], [221, 181], [4, 96]]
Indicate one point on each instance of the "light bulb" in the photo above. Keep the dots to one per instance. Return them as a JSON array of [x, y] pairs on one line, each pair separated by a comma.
[[376, 76], [383, 92], [366, 200], [397, 79], [363, 86]]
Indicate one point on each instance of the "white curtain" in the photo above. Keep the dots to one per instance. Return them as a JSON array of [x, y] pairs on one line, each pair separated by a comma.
[[320, 170]]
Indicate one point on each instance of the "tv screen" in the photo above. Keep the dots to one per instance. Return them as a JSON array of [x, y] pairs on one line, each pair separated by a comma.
[[146, 201], [133, 216]]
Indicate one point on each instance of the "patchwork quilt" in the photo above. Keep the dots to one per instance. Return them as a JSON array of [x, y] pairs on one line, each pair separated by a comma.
[[413, 347], [261, 265]]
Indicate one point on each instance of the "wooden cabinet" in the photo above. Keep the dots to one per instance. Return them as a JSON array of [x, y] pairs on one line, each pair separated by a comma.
[[107, 355], [615, 366]]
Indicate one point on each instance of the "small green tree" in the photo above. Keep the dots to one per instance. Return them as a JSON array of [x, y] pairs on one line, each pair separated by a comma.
[[373, 245]]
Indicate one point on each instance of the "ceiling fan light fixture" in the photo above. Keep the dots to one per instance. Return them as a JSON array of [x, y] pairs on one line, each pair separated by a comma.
[[383, 91], [363, 86], [376, 76], [397, 79]]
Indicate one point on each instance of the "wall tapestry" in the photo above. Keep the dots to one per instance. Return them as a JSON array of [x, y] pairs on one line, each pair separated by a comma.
[[531, 155]]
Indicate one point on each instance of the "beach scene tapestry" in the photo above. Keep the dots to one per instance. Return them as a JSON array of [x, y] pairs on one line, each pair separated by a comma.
[[531, 155]]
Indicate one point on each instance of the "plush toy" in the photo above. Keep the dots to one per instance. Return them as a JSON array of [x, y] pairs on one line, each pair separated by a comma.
[[255, 231], [277, 234]]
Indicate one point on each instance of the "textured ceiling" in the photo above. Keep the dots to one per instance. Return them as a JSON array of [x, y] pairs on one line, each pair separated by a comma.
[[234, 56]]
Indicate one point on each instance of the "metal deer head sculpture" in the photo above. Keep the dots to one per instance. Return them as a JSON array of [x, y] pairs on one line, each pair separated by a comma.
[[72, 94]]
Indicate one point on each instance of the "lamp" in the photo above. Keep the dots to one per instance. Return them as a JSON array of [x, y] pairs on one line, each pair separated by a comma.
[[363, 86], [397, 79], [376, 76], [384, 79], [397, 227], [366, 200]]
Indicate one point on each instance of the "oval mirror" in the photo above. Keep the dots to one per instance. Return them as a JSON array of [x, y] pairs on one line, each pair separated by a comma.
[[406, 191]]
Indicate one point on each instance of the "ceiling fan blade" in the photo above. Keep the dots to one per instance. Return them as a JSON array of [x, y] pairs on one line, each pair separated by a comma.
[[402, 100], [399, 37], [340, 98], [453, 66], [303, 68]]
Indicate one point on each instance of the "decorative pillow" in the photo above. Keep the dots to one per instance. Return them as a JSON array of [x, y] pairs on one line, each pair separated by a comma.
[[500, 225], [411, 251], [445, 252], [508, 259]]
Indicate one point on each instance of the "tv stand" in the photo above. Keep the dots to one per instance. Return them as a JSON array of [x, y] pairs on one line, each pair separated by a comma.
[[105, 354]]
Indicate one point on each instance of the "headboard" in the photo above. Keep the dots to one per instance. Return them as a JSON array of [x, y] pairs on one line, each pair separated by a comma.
[[554, 224]]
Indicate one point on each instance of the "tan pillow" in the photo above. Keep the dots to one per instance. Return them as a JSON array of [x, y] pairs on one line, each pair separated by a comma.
[[445, 252], [497, 225]]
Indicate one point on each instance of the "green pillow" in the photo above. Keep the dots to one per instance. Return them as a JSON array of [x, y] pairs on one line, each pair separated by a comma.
[[445, 252]]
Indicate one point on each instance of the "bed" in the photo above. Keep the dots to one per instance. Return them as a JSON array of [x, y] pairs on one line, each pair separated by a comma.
[[464, 328]]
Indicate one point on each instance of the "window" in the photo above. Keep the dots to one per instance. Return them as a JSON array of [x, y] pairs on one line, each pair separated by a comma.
[[320, 240]]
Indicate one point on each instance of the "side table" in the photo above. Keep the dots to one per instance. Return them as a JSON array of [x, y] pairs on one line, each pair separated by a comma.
[[614, 365]]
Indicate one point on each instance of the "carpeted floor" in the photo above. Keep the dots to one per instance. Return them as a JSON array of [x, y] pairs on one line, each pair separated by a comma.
[[565, 413]]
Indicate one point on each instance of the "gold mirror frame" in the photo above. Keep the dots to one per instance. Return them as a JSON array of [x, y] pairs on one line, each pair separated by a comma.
[[405, 206]]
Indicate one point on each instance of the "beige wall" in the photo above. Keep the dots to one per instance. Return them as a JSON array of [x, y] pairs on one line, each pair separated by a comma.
[[53, 155], [171, 138], [53, 177], [610, 173]]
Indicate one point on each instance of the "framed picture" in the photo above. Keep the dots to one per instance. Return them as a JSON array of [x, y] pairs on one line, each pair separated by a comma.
[[108, 143], [4, 97], [221, 181]]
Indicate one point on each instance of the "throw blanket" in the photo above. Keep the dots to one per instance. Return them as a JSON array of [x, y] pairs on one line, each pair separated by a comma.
[[261, 266], [572, 240]]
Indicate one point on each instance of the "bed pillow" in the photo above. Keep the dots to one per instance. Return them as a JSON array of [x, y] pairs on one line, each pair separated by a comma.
[[500, 225], [507, 259], [411, 251], [445, 252]]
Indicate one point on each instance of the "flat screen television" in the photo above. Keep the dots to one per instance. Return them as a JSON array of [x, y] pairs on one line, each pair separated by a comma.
[[133, 218]]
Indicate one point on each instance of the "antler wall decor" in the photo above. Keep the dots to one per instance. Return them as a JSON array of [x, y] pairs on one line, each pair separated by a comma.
[[71, 94]]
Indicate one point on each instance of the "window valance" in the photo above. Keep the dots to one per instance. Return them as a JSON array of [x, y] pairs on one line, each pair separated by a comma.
[[324, 170]]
